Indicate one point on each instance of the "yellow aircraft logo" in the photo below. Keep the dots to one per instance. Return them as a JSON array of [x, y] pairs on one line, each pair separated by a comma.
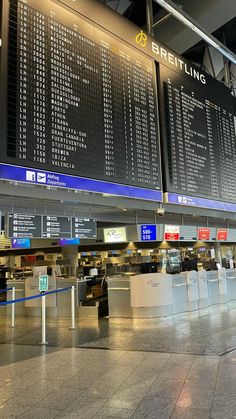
[[141, 39]]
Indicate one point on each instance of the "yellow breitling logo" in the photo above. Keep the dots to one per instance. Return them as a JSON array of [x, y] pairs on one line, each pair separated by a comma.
[[141, 39]]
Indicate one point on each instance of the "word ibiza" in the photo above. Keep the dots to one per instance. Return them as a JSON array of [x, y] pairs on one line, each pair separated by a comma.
[[177, 62]]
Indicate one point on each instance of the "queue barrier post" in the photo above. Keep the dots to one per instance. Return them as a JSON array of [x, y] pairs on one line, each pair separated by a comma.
[[72, 308], [43, 298], [43, 342], [13, 296]]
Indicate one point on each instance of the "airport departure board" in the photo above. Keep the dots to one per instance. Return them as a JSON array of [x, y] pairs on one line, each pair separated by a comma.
[[85, 102], [199, 140]]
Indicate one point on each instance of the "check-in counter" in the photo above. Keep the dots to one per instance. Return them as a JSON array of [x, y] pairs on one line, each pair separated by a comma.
[[213, 287], [57, 305], [231, 282], [119, 296], [157, 294], [202, 289], [150, 296], [223, 286], [192, 290], [180, 302]]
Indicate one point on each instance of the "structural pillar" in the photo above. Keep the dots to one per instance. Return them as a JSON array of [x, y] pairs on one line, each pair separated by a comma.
[[70, 257], [218, 256]]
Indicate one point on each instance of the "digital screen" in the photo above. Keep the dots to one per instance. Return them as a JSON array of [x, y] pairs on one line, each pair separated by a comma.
[[51, 226], [80, 101], [148, 232], [54, 226], [20, 243], [199, 137], [24, 225], [84, 228], [115, 235], [65, 242]]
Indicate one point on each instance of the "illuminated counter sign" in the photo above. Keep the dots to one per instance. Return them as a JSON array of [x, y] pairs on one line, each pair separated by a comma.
[[171, 233], [20, 243], [203, 233], [222, 234], [115, 235], [148, 232], [66, 242]]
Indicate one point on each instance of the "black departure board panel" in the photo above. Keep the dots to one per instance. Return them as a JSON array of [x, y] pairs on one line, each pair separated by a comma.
[[86, 103], [24, 226], [84, 228], [56, 227], [50, 226], [199, 140]]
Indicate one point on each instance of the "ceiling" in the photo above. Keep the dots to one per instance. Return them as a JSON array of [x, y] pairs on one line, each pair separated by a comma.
[[216, 16]]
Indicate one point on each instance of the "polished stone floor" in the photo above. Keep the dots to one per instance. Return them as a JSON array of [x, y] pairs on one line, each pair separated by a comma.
[[181, 366], [39, 382], [210, 331]]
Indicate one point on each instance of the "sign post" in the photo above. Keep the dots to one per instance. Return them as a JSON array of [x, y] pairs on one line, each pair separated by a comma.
[[43, 286]]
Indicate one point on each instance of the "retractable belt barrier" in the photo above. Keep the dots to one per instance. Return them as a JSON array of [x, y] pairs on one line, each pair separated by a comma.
[[32, 297], [43, 295], [6, 289]]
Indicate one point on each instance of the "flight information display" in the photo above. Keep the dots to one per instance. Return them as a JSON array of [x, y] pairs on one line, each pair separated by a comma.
[[199, 141], [50, 226], [84, 228], [56, 227], [86, 103], [24, 225]]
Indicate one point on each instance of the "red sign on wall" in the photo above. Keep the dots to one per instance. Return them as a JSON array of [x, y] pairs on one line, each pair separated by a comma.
[[222, 234], [171, 233], [203, 233]]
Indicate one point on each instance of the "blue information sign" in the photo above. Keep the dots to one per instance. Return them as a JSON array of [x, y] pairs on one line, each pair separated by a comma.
[[148, 232], [20, 243]]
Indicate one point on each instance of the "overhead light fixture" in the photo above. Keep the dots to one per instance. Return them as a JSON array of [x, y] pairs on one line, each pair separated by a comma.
[[192, 24]]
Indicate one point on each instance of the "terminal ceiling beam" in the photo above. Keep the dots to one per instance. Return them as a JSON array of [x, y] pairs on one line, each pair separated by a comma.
[[211, 14], [188, 21]]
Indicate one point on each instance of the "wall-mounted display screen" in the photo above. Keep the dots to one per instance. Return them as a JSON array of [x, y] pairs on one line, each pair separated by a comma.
[[81, 101], [54, 226], [51, 226], [199, 137], [148, 232], [24, 225], [115, 235], [84, 228]]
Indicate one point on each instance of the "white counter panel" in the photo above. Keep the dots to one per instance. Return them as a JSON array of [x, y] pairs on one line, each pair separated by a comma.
[[151, 290]]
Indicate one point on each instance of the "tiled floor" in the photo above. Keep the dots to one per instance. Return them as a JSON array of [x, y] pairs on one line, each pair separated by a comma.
[[39, 382], [210, 331], [174, 367]]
